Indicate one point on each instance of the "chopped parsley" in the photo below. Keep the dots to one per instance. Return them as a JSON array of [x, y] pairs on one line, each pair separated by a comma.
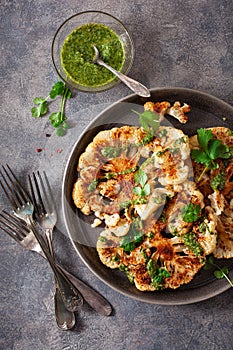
[[111, 152], [93, 185], [157, 274], [134, 236], [128, 203], [192, 244], [218, 182]]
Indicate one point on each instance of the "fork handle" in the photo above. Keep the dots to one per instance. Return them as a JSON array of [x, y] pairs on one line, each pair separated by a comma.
[[92, 297], [70, 295]]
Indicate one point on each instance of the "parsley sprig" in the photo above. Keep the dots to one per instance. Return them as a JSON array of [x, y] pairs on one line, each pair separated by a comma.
[[140, 178], [57, 119], [211, 149], [149, 121], [220, 272]]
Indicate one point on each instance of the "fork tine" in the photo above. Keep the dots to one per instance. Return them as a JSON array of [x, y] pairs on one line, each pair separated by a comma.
[[13, 226], [18, 195], [12, 202], [36, 195], [49, 200], [39, 188], [38, 204], [23, 192]]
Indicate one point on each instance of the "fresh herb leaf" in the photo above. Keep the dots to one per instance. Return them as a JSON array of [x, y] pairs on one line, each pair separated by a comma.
[[220, 272], [137, 190], [191, 212], [211, 150], [57, 119], [140, 177], [146, 190], [57, 89], [149, 120], [128, 203], [203, 137], [217, 150], [93, 185], [41, 107]]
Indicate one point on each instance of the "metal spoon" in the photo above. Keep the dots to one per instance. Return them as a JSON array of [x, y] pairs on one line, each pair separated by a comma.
[[134, 85]]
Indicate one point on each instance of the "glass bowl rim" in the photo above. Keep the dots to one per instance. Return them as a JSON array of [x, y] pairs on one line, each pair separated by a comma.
[[105, 87]]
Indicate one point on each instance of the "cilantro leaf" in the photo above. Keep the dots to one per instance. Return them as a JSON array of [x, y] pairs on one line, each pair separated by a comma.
[[57, 119], [203, 137], [200, 156], [140, 177], [220, 272], [40, 109], [149, 120], [137, 190], [38, 100], [191, 212], [57, 89], [211, 150], [218, 150], [146, 190]]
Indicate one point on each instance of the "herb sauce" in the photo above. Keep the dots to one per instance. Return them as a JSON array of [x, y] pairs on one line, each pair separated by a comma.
[[77, 54]]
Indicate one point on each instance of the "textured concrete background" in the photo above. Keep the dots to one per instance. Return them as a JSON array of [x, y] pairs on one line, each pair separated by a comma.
[[178, 43]]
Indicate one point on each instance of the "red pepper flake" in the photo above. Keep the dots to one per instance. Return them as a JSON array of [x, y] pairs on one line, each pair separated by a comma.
[[58, 150], [38, 150]]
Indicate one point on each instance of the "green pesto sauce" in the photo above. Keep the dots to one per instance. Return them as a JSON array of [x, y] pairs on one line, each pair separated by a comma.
[[77, 54]]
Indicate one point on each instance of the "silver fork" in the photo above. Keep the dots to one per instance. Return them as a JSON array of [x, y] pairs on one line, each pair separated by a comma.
[[22, 234], [29, 242], [23, 208], [46, 216]]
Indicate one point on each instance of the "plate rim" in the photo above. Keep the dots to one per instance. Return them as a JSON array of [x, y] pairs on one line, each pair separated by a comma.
[[218, 286]]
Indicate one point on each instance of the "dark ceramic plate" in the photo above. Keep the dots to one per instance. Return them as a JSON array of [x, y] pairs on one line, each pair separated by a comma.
[[206, 111]]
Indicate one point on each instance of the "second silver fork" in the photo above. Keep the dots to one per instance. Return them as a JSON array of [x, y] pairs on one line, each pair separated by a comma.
[[23, 208], [46, 216]]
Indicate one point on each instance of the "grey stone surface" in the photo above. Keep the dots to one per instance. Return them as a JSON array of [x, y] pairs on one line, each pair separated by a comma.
[[178, 43]]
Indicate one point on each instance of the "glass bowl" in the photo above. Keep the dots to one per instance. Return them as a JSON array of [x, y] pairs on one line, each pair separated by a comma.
[[88, 17]]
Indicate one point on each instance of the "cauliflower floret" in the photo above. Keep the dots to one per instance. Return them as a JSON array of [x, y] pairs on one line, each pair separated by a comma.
[[111, 220], [157, 199], [158, 107], [206, 233], [178, 112], [224, 246], [217, 202]]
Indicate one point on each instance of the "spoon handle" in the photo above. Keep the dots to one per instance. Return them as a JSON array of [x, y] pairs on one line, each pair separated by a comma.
[[134, 85]]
